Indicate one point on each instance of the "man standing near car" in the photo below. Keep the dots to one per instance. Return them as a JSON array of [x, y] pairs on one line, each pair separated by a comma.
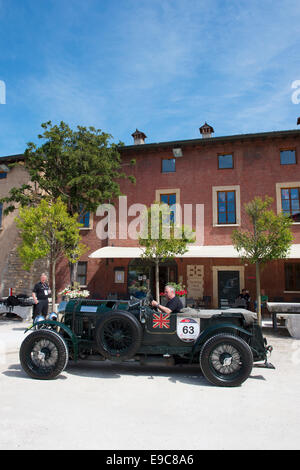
[[40, 294], [174, 304]]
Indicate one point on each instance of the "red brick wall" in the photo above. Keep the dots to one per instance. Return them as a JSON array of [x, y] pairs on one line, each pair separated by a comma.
[[256, 169]]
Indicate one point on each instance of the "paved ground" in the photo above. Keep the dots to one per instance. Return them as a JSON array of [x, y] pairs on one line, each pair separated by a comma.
[[107, 406]]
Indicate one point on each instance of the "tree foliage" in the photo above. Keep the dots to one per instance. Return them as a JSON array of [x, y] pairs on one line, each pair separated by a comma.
[[48, 231], [268, 238], [162, 239], [80, 166]]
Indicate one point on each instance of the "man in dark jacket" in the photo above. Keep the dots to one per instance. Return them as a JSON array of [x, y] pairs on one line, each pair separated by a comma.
[[41, 292], [173, 305]]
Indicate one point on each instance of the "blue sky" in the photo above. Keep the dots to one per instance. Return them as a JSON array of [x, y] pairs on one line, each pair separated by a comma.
[[162, 66]]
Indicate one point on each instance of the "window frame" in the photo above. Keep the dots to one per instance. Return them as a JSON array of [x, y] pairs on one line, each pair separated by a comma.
[[170, 205], [164, 159], [226, 207], [223, 155], [291, 287], [279, 187], [290, 199], [85, 263], [215, 190], [90, 226], [288, 150]]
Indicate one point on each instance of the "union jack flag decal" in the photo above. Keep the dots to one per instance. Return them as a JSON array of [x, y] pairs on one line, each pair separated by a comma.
[[161, 320]]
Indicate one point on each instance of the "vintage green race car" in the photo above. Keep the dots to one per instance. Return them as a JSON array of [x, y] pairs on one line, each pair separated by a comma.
[[225, 343]]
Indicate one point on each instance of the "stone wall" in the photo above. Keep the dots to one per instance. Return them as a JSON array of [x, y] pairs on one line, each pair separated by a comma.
[[11, 272], [16, 277]]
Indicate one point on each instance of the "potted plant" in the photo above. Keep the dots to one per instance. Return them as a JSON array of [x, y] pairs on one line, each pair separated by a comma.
[[73, 292]]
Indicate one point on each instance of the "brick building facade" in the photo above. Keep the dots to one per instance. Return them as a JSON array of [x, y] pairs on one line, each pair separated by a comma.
[[12, 275], [222, 174]]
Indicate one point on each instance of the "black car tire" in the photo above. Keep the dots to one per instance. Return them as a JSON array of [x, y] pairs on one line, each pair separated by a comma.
[[55, 351], [118, 335], [217, 350]]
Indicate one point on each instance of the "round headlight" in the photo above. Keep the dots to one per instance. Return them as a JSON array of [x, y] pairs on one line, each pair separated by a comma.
[[39, 318]]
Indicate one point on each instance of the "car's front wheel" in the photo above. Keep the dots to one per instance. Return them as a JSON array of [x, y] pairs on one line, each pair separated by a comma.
[[226, 360], [43, 354]]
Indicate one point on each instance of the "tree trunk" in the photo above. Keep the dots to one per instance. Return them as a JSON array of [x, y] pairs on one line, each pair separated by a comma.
[[157, 280], [258, 297], [73, 273], [53, 268]]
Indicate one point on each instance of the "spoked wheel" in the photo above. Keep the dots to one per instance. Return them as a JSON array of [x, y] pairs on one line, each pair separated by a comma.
[[226, 360], [44, 354], [118, 336]]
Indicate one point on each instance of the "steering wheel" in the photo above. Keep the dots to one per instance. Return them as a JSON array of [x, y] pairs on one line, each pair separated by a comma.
[[148, 299]]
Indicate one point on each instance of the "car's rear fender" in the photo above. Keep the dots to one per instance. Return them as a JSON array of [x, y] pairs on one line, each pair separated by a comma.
[[215, 329], [65, 328]]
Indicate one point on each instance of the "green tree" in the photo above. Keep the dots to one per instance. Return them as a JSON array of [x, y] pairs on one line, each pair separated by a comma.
[[268, 238], [162, 238], [48, 231], [80, 166]]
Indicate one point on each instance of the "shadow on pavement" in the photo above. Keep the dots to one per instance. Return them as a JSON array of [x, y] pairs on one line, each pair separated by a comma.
[[15, 370], [190, 375], [110, 370]]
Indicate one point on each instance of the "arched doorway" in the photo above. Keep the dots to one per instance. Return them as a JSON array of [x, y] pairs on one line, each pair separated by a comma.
[[141, 276]]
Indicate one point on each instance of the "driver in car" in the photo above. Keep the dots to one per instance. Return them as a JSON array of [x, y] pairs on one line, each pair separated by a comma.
[[173, 305]]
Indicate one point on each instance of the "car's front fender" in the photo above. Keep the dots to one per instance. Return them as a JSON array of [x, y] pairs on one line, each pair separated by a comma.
[[67, 330], [215, 329]]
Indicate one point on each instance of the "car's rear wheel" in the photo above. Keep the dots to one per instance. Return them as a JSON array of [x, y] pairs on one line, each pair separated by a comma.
[[118, 335], [44, 354], [226, 360]]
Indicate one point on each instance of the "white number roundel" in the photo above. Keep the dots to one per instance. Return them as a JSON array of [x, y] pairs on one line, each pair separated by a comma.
[[187, 329]]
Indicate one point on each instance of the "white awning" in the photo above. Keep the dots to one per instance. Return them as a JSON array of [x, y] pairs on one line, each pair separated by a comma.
[[205, 251], [117, 252]]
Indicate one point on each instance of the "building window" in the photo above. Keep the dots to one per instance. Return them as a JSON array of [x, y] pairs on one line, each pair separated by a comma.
[[1, 211], [292, 276], [290, 201], [81, 273], [226, 203], [85, 220], [119, 275], [169, 199], [288, 157], [168, 165], [226, 207], [287, 199], [3, 175], [225, 161]]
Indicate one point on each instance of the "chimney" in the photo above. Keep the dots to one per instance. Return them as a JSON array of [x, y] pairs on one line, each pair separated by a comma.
[[298, 121], [206, 130], [139, 137]]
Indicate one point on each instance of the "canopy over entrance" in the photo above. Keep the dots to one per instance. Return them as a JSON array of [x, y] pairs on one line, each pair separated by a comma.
[[204, 251]]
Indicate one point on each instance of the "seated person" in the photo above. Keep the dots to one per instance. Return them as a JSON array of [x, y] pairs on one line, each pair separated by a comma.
[[174, 304], [244, 297], [263, 299]]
